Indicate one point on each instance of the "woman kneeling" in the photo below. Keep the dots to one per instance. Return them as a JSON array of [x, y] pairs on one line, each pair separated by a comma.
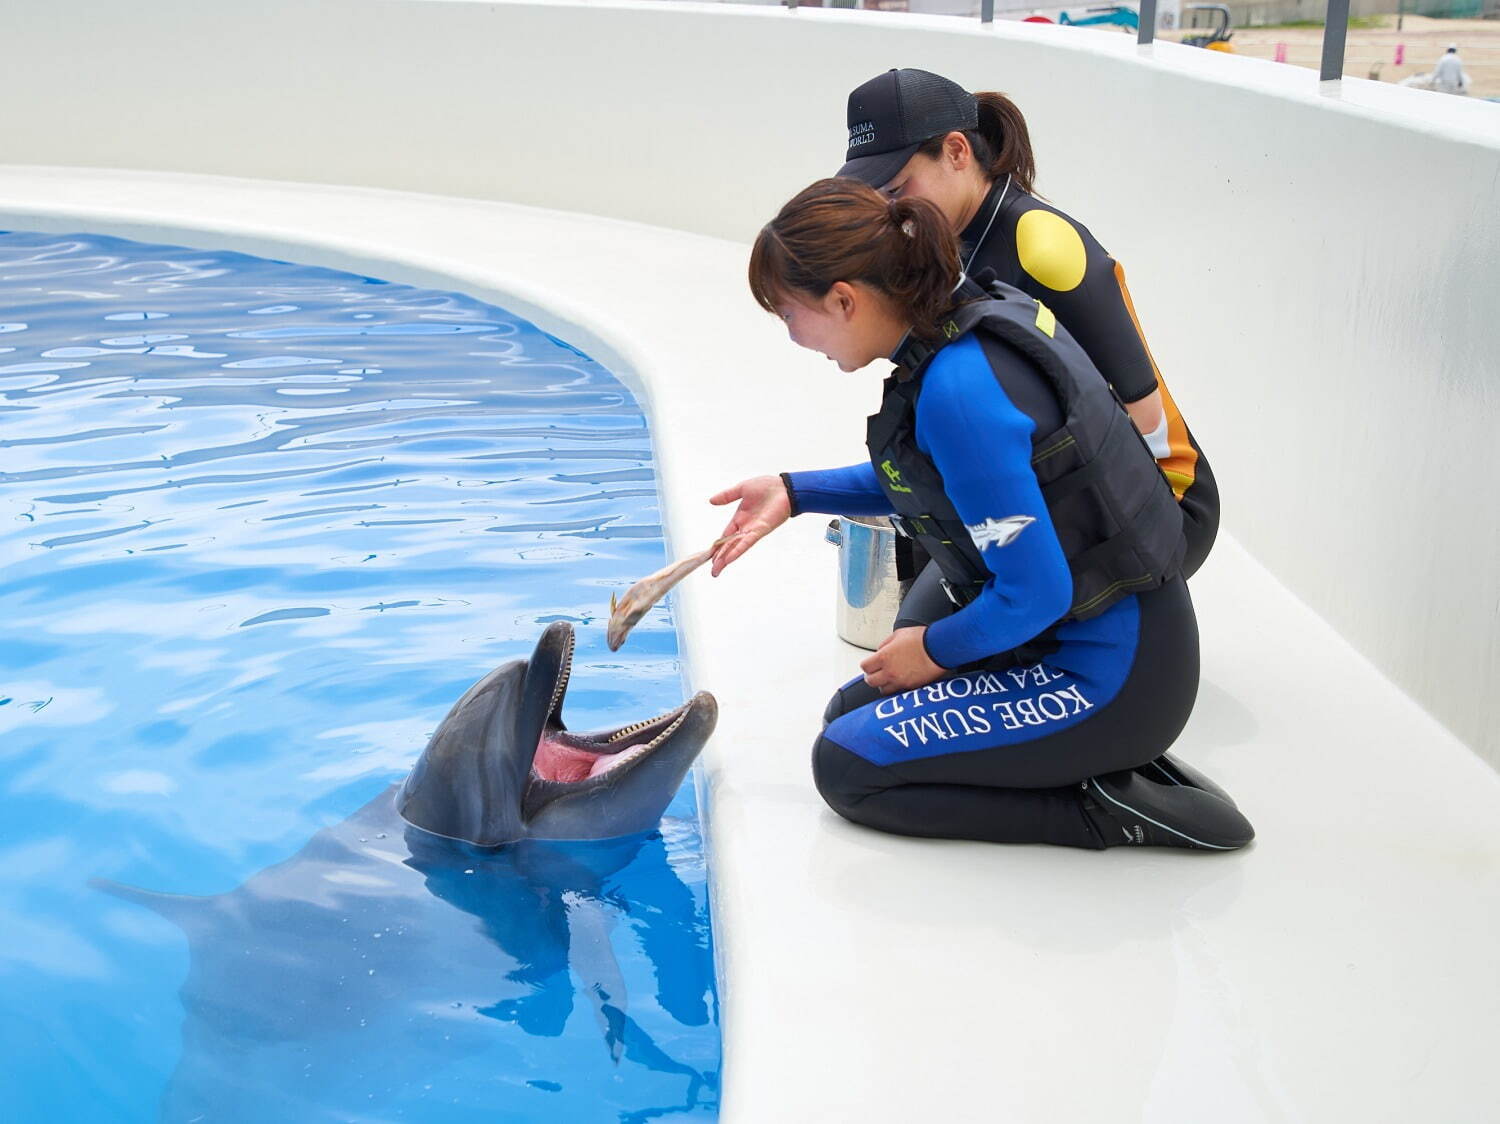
[[1041, 707]]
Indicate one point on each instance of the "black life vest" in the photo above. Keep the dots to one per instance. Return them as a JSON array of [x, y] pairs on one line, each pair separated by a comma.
[[1114, 513]]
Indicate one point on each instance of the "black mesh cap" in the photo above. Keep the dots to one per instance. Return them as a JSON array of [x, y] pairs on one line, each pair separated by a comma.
[[892, 115]]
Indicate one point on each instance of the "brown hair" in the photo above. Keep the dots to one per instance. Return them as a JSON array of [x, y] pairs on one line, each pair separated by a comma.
[[1001, 144], [842, 230]]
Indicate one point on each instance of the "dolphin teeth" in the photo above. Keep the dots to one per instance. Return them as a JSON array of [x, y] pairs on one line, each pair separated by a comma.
[[665, 734], [623, 758], [637, 727], [628, 730], [563, 676]]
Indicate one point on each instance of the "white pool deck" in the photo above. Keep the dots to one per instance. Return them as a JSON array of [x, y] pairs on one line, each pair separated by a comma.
[[1343, 968]]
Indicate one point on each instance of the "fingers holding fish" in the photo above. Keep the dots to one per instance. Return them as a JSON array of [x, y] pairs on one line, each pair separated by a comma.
[[734, 546], [764, 505]]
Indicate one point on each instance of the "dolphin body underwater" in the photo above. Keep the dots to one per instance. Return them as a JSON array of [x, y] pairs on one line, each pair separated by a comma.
[[409, 962]]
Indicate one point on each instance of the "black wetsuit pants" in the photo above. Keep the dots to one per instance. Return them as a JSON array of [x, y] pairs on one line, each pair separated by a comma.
[[1023, 789]]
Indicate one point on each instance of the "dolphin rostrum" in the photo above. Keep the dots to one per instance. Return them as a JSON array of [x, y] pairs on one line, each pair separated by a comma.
[[502, 766]]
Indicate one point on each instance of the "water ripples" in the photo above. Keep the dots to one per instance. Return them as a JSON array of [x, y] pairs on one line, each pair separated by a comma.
[[249, 555]]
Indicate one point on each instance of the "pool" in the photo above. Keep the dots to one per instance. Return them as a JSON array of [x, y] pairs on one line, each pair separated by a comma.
[[263, 524]]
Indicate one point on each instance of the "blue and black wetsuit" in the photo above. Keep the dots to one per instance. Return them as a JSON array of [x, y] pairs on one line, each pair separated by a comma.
[[1045, 253], [996, 750]]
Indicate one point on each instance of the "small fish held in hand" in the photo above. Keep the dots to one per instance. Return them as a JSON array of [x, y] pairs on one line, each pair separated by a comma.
[[626, 612]]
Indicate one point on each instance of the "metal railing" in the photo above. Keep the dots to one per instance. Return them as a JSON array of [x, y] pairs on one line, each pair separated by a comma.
[[1146, 30], [1335, 33], [1335, 30]]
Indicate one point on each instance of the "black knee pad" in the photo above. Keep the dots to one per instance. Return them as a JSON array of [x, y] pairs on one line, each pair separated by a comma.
[[832, 766], [834, 709], [849, 697]]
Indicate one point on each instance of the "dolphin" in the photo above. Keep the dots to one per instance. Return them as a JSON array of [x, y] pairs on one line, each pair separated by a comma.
[[502, 766], [421, 954]]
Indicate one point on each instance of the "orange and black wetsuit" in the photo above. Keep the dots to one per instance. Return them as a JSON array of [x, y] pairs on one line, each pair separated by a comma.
[[1054, 259]]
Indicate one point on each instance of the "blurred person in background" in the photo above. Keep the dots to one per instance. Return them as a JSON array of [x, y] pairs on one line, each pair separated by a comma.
[[1448, 75]]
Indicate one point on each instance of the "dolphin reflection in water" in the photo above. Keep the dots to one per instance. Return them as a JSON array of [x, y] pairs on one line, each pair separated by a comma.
[[412, 961]]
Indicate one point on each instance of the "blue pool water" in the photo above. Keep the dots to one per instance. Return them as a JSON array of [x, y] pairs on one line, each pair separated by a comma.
[[260, 526]]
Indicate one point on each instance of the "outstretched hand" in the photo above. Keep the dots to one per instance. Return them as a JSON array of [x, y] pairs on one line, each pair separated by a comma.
[[901, 663], [764, 506]]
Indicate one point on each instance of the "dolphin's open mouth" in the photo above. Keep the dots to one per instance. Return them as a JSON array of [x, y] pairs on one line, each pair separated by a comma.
[[565, 757], [502, 766]]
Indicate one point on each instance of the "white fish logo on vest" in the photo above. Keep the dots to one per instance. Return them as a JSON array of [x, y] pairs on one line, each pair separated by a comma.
[[999, 532]]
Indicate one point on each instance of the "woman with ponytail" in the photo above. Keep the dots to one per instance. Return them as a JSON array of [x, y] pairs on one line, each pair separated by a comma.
[[916, 134], [1039, 706]]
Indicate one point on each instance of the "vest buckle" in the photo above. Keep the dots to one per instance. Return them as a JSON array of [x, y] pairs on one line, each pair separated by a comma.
[[960, 595]]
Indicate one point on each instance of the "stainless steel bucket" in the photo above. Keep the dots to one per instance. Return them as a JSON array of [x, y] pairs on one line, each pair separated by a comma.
[[869, 590]]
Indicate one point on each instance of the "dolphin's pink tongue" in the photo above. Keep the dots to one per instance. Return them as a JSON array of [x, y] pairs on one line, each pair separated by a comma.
[[555, 761]]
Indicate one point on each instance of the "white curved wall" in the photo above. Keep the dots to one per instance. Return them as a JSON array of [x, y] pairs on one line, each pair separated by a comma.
[[1316, 270]]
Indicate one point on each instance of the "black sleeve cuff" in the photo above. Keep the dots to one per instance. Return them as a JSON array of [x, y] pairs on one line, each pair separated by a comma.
[[1134, 396], [791, 493], [930, 656]]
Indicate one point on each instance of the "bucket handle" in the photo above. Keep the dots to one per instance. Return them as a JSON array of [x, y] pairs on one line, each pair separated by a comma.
[[833, 534]]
